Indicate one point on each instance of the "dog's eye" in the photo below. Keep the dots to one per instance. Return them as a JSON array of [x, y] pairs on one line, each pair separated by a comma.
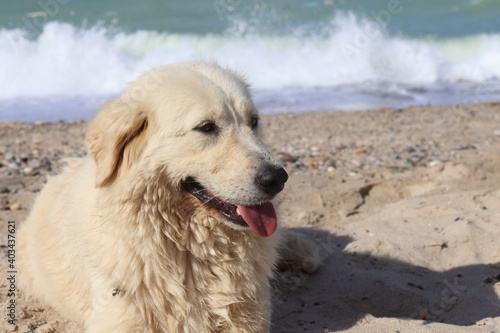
[[207, 127], [254, 122]]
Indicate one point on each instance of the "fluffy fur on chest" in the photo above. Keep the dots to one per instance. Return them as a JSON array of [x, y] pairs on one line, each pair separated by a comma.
[[185, 271]]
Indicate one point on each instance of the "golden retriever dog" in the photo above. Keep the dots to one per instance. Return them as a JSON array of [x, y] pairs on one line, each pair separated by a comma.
[[167, 225]]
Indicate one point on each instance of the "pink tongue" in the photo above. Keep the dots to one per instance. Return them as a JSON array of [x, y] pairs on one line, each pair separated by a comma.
[[261, 218]]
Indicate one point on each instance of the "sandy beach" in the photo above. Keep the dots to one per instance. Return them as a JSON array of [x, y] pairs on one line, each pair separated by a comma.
[[402, 204]]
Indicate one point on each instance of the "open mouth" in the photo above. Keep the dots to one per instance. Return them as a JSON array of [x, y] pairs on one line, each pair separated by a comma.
[[260, 218]]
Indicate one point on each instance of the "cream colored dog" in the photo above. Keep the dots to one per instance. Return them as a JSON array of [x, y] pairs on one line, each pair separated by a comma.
[[167, 226]]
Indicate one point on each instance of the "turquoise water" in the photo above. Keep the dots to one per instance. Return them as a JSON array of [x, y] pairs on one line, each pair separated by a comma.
[[59, 59], [411, 18]]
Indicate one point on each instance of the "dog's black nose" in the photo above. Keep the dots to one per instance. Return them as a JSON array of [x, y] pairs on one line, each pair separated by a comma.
[[271, 179]]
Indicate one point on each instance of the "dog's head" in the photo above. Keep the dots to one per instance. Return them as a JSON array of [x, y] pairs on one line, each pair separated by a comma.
[[197, 123]]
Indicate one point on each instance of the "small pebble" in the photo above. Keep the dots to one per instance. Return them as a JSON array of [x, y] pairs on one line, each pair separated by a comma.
[[321, 159], [34, 188], [34, 163], [435, 163], [9, 157], [284, 157], [4, 190], [410, 163], [315, 152], [13, 165], [15, 207], [356, 163], [496, 132]]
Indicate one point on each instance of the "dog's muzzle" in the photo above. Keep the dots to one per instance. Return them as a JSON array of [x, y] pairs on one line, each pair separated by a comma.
[[261, 218]]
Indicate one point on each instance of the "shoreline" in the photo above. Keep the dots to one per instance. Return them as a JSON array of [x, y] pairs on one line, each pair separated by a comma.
[[402, 203], [275, 102]]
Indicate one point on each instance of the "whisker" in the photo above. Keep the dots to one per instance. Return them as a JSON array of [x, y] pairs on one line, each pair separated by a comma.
[[206, 202], [201, 190]]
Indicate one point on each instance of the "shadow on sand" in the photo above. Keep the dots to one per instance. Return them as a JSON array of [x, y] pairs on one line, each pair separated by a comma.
[[351, 285]]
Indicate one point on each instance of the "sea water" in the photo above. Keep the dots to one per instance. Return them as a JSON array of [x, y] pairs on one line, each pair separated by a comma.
[[60, 59]]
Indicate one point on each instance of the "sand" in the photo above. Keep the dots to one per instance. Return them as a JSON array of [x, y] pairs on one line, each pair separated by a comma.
[[402, 204]]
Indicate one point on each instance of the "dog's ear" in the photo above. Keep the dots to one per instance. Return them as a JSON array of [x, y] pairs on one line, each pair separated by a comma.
[[114, 138]]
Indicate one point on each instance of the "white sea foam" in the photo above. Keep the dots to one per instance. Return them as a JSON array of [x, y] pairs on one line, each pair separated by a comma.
[[65, 60]]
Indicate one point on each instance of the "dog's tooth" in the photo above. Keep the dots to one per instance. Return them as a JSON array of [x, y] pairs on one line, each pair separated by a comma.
[[238, 211]]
